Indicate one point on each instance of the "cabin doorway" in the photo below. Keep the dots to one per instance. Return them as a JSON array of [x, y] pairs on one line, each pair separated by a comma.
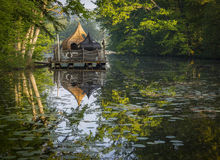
[[74, 46]]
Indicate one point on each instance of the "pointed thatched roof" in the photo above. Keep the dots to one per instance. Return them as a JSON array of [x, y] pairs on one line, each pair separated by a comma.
[[77, 37], [89, 88], [89, 44], [77, 93]]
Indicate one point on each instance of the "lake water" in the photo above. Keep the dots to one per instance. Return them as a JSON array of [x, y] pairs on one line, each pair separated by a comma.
[[139, 108]]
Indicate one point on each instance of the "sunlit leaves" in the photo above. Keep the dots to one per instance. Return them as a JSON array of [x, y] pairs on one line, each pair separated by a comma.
[[175, 28], [154, 90], [18, 16]]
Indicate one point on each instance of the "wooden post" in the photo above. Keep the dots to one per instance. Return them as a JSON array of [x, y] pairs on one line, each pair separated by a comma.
[[54, 76], [103, 43], [55, 53], [99, 54], [83, 54], [58, 82], [58, 48]]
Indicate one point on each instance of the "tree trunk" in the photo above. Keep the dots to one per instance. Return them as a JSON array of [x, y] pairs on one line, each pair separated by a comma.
[[34, 85], [33, 43], [24, 42], [30, 44], [18, 48], [34, 37]]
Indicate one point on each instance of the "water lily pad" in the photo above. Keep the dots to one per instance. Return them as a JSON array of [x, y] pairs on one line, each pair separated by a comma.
[[178, 144], [69, 157], [28, 138], [176, 141], [112, 119], [142, 138], [138, 145], [159, 142], [10, 157], [176, 118], [170, 137], [12, 139], [126, 124], [28, 148], [116, 133], [100, 145], [151, 143], [4, 125]]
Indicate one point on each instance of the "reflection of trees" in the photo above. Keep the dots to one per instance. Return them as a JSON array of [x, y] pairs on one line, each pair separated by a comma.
[[28, 87], [125, 122], [199, 135], [23, 137], [130, 121], [28, 93], [34, 85], [200, 138], [130, 83], [133, 100]]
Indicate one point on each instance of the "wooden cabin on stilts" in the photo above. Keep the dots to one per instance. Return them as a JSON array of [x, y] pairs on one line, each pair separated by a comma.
[[79, 50]]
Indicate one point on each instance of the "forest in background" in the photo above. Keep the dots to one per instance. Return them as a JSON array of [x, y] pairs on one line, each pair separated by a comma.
[[89, 25], [162, 27]]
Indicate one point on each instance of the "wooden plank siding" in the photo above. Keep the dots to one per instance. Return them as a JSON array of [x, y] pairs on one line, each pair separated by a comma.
[[83, 56], [79, 59]]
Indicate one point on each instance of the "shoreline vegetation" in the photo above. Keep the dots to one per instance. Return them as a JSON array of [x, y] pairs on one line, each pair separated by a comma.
[[186, 57], [28, 28], [133, 27], [160, 27]]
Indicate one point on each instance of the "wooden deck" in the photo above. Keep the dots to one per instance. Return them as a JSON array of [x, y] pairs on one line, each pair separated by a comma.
[[72, 65], [79, 59]]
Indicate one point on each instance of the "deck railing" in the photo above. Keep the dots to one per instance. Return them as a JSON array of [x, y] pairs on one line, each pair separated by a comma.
[[82, 55]]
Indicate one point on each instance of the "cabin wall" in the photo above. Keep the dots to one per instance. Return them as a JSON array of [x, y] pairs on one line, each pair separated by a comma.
[[82, 55]]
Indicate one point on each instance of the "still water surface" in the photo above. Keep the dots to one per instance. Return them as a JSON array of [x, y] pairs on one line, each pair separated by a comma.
[[139, 108]]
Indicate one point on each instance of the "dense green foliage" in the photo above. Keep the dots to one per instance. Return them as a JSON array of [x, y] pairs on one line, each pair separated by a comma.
[[23, 23], [161, 27]]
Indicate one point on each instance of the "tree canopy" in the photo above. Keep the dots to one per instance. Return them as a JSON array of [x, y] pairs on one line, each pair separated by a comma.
[[161, 27], [22, 21]]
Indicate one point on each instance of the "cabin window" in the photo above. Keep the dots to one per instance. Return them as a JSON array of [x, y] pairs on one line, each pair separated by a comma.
[[74, 46]]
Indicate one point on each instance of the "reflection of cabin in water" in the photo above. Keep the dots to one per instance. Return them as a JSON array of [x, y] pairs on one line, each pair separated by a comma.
[[79, 50], [79, 83]]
